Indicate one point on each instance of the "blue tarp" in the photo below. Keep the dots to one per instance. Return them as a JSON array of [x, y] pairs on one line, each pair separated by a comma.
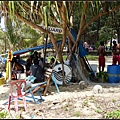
[[73, 34], [49, 45], [82, 50]]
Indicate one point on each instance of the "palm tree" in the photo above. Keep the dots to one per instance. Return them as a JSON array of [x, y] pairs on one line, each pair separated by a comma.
[[18, 35]]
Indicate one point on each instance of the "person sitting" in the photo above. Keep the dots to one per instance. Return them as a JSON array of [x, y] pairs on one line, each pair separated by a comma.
[[52, 62], [20, 60], [35, 54], [40, 59], [16, 67], [36, 70], [28, 65]]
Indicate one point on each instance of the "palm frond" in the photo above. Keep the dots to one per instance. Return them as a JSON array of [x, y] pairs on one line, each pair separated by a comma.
[[45, 15]]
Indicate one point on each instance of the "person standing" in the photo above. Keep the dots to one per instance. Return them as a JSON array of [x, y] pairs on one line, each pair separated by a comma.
[[101, 58], [93, 46], [118, 53], [85, 44], [114, 53]]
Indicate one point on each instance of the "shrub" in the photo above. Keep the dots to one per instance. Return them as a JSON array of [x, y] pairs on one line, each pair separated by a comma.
[[113, 115]]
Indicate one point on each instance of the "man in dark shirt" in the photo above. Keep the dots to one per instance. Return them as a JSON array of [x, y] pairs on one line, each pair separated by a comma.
[[36, 71]]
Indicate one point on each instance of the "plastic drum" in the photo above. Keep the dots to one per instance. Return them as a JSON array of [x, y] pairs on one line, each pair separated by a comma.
[[113, 73], [57, 71]]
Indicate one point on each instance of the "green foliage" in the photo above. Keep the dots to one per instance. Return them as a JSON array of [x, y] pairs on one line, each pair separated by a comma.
[[29, 32], [3, 114], [103, 75], [91, 57], [105, 33], [98, 111], [85, 103], [11, 33], [38, 12], [20, 35], [113, 100], [113, 115], [77, 113], [64, 58]]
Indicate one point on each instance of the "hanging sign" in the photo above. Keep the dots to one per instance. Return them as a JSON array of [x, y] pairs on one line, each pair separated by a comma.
[[53, 29]]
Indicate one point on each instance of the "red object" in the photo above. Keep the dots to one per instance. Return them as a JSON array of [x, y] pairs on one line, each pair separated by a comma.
[[116, 58], [9, 60], [16, 92], [14, 76], [119, 60], [101, 61]]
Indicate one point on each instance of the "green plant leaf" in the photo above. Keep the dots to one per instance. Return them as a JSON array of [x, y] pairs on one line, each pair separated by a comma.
[[45, 16]]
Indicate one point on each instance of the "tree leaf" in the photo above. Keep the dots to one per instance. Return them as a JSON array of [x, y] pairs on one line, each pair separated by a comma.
[[9, 4]]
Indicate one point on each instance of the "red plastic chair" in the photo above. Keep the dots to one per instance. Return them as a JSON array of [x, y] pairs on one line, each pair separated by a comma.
[[16, 92]]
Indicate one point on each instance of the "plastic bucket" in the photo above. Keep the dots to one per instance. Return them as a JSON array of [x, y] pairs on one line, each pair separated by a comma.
[[113, 73], [2, 80]]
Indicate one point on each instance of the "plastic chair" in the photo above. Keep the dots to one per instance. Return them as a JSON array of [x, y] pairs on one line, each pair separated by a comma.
[[54, 80], [17, 94], [36, 88]]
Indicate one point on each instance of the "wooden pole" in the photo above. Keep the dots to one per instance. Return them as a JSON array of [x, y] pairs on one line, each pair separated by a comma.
[[45, 49]]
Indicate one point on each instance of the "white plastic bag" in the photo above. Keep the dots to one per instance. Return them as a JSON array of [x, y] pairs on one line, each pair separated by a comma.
[[97, 89]]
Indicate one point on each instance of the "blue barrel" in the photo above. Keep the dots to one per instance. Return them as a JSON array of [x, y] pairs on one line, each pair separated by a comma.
[[113, 72]]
